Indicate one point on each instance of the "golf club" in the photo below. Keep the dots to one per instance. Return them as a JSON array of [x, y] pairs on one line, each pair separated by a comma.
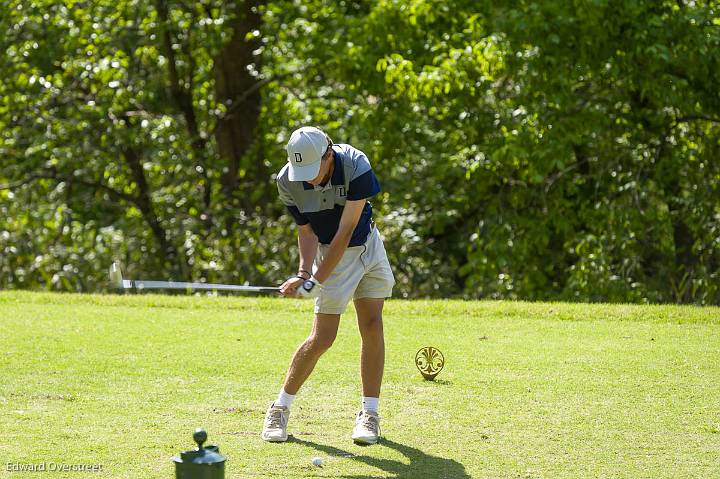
[[117, 280]]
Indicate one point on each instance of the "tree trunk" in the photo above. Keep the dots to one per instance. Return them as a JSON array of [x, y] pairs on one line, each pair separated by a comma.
[[143, 201], [236, 87]]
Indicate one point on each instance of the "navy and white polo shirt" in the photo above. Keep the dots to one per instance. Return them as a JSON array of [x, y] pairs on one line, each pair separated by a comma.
[[322, 206]]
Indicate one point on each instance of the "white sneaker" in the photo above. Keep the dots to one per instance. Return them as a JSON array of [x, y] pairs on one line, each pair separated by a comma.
[[275, 427], [367, 428]]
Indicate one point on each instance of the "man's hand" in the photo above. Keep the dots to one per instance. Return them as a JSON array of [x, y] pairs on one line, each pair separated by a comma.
[[310, 288], [290, 286]]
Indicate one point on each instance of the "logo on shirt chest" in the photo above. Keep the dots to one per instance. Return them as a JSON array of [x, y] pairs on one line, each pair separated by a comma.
[[340, 191]]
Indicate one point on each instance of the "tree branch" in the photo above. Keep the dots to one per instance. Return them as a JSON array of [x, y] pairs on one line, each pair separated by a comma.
[[53, 174], [238, 100], [689, 118], [182, 95], [17, 184]]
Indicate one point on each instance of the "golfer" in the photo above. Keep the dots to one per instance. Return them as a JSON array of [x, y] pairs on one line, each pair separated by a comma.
[[326, 188]]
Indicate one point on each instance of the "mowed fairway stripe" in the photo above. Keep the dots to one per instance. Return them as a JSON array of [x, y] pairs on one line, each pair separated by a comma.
[[528, 390]]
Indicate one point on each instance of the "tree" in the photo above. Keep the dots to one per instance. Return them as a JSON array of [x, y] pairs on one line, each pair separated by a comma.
[[539, 150]]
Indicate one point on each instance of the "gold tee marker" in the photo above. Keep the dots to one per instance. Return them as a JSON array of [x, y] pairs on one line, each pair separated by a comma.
[[429, 361]]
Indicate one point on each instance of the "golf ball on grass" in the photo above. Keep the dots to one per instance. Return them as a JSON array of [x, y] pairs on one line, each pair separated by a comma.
[[317, 461]]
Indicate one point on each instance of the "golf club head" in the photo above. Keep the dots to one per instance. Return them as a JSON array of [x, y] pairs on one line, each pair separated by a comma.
[[116, 278]]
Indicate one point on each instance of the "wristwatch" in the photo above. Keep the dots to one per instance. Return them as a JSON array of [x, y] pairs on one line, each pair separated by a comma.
[[308, 285]]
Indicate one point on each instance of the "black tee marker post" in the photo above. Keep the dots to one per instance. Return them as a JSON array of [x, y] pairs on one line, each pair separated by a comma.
[[201, 463]]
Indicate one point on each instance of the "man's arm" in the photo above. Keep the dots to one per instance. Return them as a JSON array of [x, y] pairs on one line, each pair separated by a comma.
[[307, 245], [348, 222]]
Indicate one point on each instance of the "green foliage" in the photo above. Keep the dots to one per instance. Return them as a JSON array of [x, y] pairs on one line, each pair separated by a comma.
[[539, 150]]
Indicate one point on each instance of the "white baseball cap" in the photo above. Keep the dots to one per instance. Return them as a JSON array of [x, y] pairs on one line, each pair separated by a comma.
[[305, 149]]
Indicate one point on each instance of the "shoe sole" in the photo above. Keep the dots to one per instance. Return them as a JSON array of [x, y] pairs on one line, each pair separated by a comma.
[[272, 439], [365, 442]]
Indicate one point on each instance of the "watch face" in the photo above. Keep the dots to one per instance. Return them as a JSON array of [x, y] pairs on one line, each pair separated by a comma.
[[308, 285]]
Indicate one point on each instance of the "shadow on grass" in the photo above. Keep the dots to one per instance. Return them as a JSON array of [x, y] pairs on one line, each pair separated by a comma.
[[421, 464], [441, 382]]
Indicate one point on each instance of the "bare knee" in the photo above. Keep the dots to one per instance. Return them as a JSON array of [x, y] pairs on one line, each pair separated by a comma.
[[371, 326], [319, 343]]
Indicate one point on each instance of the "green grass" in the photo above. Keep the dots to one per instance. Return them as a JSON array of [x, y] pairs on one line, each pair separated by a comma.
[[530, 390]]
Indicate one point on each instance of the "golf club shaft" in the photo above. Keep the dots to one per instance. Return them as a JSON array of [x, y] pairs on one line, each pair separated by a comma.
[[143, 284]]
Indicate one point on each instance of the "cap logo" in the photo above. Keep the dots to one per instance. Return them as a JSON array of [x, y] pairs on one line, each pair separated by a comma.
[[298, 158]]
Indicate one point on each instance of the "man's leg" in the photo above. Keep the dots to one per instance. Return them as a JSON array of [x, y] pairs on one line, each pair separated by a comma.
[[372, 364], [372, 356], [323, 335], [321, 338]]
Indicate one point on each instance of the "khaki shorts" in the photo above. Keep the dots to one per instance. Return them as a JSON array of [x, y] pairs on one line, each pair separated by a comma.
[[362, 272]]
